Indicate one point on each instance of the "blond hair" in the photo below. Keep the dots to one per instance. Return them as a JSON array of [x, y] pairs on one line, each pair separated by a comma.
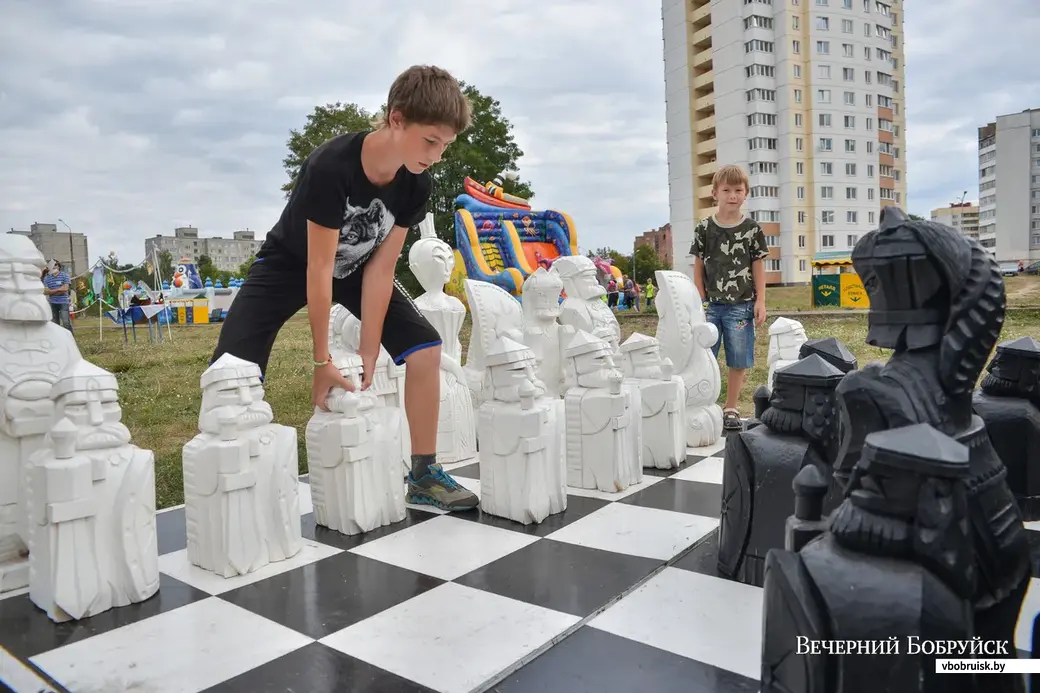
[[427, 95], [730, 174]]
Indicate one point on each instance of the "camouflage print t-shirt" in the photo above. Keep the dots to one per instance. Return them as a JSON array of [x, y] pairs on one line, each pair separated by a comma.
[[727, 252]]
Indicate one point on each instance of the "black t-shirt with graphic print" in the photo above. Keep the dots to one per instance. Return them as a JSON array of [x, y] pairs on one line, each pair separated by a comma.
[[332, 190]]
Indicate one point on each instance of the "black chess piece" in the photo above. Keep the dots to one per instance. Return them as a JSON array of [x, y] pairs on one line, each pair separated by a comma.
[[798, 429], [832, 351], [937, 300], [894, 567], [1009, 403]]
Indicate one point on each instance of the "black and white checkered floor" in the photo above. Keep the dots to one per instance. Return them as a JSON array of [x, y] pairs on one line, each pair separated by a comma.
[[617, 594]]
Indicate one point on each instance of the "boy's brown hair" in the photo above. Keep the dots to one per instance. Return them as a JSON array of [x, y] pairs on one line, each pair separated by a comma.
[[428, 95], [730, 174]]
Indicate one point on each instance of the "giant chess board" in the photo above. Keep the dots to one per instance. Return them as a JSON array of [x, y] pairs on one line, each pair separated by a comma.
[[617, 594]]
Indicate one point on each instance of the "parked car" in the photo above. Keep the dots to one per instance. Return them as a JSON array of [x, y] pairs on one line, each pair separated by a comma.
[[1009, 269], [1032, 269]]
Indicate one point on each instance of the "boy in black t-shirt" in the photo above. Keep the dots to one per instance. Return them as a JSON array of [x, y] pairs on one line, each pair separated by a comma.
[[338, 239]]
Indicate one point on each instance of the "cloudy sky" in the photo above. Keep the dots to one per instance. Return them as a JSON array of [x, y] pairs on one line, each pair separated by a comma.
[[127, 118]]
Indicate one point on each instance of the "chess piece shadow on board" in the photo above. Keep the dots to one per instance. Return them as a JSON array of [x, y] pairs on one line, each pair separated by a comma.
[[937, 301], [894, 564], [1009, 404], [798, 429]]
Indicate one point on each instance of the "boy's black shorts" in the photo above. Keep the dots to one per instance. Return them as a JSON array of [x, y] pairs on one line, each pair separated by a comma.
[[276, 289]]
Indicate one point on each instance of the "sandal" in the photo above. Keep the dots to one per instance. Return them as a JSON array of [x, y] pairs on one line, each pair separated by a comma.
[[731, 420]]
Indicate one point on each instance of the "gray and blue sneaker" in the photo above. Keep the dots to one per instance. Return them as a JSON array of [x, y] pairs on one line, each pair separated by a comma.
[[438, 489]]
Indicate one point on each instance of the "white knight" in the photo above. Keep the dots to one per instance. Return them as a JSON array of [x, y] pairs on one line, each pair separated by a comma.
[[33, 352], [92, 506], [241, 476], [686, 340]]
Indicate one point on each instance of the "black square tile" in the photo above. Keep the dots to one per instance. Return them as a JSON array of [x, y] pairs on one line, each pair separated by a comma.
[[565, 577], [470, 471], [331, 594], [171, 531], [703, 557], [691, 497], [316, 668], [26, 631], [685, 464], [330, 537], [594, 661], [577, 508]]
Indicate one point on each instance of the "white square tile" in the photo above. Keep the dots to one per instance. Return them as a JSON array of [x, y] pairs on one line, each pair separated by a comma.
[[182, 651], [176, 565], [444, 547], [306, 502], [707, 471], [1030, 607], [1034, 526], [697, 616], [637, 531], [474, 636], [709, 450], [618, 495], [14, 593]]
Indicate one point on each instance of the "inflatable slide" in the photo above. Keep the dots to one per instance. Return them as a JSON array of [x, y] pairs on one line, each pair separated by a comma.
[[501, 240]]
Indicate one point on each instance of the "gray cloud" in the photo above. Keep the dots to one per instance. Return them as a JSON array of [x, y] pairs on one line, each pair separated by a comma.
[[129, 117]]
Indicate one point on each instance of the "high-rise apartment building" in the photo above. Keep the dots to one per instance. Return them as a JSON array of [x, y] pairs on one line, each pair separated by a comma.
[[808, 97], [1009, 186], [963, 216]]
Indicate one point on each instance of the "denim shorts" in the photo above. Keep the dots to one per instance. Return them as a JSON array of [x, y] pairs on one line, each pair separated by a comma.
[[736, 325]]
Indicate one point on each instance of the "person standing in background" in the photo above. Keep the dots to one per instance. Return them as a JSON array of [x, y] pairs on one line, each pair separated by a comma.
[[56, 286]]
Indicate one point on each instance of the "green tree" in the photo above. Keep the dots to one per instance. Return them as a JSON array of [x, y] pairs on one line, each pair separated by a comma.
[[645, 262], [165, 268], [483, 151], [916, 217], [243, 269]]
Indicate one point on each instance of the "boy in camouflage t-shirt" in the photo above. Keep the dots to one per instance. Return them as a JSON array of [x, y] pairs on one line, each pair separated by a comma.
[[729, 274]]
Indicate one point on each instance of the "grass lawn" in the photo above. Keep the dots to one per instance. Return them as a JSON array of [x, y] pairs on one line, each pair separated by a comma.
[[159, 383]]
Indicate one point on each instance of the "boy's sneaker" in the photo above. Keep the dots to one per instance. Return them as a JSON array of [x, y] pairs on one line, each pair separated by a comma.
[[438, 489], [731, 420]]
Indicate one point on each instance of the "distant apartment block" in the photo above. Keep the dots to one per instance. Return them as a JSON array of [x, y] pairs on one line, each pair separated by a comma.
[[808, 97], [226, 253], [963, 216], [660, 240], [1009, 186], [67, 247]]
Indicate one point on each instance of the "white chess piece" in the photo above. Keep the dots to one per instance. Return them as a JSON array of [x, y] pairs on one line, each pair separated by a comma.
[[542, 331], [583, 308], [432, 261], [522, 468], [601, 425], [92, 545], [495, 313], [355, 479], [33, 353], [663, 398], [686, 340], [241, 476], [786, 337]]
